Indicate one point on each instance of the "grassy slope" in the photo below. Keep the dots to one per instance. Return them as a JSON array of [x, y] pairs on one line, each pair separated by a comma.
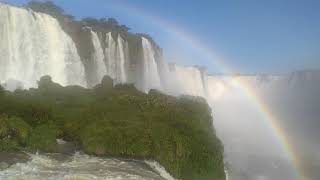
[[119, 121]]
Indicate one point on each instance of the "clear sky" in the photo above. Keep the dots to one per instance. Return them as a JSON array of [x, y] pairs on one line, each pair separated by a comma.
[[248, 35]]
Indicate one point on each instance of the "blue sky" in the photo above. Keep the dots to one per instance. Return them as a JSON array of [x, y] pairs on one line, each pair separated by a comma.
[[250, 36]]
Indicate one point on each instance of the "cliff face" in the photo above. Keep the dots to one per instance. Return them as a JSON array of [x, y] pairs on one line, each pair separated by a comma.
[[82, 52], [34, 44], [74, 52]]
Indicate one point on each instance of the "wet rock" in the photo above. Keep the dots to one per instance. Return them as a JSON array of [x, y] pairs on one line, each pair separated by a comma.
[[66, 147], [8, 159], [3, 165]]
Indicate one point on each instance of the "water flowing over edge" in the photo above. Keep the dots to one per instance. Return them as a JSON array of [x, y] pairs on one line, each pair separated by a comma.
[[33, 44], [82, 166]]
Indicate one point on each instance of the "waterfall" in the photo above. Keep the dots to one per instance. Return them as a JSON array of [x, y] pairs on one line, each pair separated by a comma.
[[122, 60], [151, 75], [110, 55], [188, 80], [33, 45], [116, 57], [98, 58]]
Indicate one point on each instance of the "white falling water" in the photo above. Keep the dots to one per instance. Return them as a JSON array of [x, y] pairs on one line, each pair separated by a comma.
[[111, 47], [122, 60], [116, 55], [98, 58], [150, 68], [188, 80], [33, 45]]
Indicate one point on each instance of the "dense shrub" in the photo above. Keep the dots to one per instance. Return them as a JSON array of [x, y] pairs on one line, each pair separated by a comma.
[[13, 132], [46, 7], [2, 91], [43, 138], [121, 121]]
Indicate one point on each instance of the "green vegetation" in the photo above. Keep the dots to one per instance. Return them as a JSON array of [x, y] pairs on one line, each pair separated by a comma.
[[117, 121], [13, 132], [68, 21], [48, 7]]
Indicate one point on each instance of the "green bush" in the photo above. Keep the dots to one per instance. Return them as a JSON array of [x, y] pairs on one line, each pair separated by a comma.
[[13, 132], [43, 138], [9, 145], [2, 91], [120, 121]]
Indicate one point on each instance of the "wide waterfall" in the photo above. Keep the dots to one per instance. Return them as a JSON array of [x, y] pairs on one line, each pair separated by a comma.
[[33, 45]]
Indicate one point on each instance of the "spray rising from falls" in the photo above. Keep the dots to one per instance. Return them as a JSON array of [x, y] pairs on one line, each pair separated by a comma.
[[33, 45], [188, 80]]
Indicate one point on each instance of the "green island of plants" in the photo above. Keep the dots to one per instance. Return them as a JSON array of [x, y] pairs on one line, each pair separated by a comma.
[[114, 121]]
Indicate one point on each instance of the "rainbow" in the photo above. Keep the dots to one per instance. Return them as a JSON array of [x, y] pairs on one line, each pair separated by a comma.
[[217, 61], [276, 128]]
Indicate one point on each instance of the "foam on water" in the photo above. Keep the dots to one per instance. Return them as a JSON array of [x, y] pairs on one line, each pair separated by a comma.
[[82, 166], [159, 169]]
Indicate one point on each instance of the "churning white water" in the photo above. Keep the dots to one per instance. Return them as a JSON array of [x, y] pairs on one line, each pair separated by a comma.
[[159, 169], [33, 45], [82, 167]]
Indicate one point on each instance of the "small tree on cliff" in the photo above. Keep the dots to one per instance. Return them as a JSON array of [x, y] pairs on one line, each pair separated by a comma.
[[45, 82], [105, 86], [2, 91], [46, 7], [47, 85]]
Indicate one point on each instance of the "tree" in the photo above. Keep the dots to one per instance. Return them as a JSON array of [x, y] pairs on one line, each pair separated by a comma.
[[46, 83], [2, 91], [47, 7], [105, 86], [69, 17], [113, 22], [124, 28], [103, 20], [89, 21]]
